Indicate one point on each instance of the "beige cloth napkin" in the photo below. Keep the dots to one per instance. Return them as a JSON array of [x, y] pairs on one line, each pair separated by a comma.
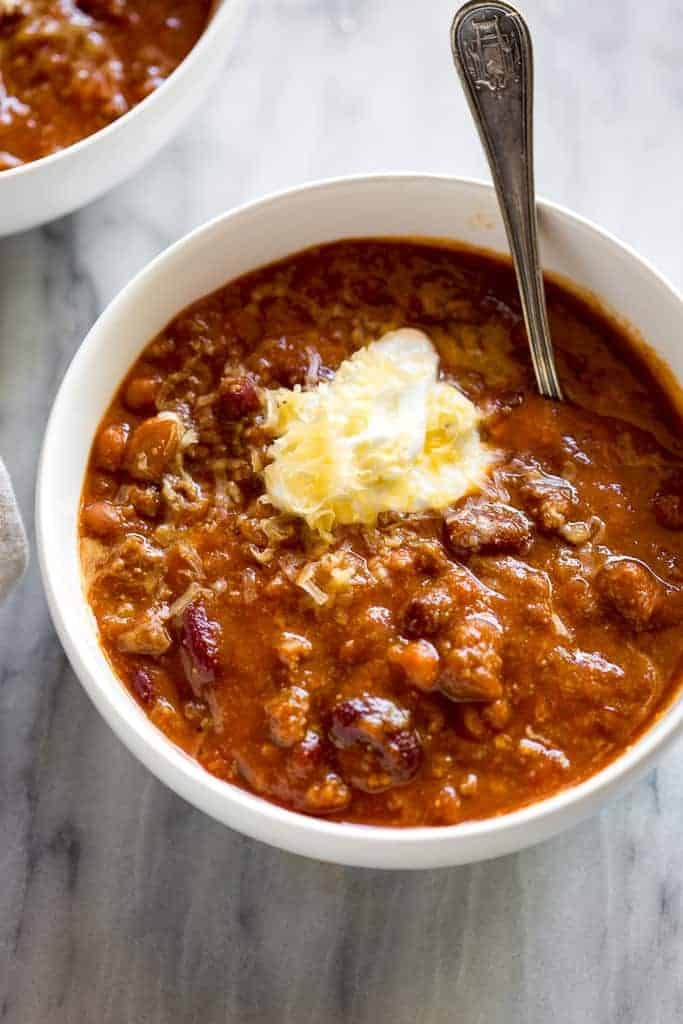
[[13, 543]]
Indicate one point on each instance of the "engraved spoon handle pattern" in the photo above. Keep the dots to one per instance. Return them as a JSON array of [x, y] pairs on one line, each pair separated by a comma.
[[492, 52]]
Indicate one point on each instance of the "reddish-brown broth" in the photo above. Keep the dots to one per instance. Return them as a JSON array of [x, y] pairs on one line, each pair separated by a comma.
[[68, 69], [477, 661]]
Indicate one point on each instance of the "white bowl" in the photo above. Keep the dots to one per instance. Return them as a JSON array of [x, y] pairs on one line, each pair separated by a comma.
[[227, 247], [64, 181]]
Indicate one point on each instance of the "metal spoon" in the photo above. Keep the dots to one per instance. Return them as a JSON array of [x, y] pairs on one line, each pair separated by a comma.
[[492, 53]]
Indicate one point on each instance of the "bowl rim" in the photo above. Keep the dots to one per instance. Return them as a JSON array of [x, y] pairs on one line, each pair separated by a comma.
[[213, 27], [182, 773]]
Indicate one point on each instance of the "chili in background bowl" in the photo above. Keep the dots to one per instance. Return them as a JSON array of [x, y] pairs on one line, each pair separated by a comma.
[[49, 187], [395, 205]]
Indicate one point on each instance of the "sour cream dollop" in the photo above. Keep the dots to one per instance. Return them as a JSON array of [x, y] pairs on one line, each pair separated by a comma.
[[384, 435]]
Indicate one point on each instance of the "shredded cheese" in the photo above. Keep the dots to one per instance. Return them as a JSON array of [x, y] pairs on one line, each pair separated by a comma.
[[384, 435]]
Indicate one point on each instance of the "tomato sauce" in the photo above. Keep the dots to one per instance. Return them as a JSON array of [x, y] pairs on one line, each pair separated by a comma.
[[443, 666]]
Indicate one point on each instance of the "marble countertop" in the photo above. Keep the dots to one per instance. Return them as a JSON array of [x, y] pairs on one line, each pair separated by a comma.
[[118, 902]]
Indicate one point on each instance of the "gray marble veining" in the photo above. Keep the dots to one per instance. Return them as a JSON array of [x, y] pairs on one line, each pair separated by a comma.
[[119, 903]]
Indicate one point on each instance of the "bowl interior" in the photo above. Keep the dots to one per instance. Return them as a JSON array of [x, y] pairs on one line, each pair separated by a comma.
[[239, 242]]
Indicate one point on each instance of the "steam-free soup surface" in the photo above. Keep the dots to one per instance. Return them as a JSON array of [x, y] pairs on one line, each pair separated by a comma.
[[433, 667]]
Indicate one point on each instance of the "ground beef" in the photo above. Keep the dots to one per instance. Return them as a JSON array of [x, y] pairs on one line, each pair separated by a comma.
[[472, 666], [478, 526], [549, 500], [372, 635], [287, 716], [630, 589], [668, 503], [418, 661], [148, 635], [427, 668], [430, 611]]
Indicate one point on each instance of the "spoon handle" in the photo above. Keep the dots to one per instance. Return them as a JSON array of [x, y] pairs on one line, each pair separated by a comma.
[[492, 52]]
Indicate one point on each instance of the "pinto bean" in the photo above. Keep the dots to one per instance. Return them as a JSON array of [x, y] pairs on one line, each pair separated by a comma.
[[102, 519], [478, 526], [376, 745], [110, 446], [153, 447], [141, 392]]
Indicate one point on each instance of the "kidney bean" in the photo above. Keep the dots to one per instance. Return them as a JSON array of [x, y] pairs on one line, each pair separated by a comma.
[[238, 397], [142, 685], [199, 647], [377, 747]]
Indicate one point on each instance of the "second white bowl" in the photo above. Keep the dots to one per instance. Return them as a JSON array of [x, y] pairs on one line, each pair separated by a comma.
[[37, 192]]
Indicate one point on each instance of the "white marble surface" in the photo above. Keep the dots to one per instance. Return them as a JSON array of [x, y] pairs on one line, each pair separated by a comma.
[[118, 903]]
